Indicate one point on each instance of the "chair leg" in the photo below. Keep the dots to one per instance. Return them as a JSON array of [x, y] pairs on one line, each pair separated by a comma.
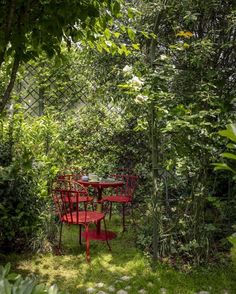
[[110, 211], [59, 244], [123, 218], [80, 227], [105, 227], [87, 243]]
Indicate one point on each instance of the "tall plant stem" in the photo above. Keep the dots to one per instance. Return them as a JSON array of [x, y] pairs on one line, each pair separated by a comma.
[[154, 149], [155, 177]]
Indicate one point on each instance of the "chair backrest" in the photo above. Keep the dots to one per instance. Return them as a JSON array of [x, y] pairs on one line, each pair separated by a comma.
[[67, 205], [70, 185], [130, 184]]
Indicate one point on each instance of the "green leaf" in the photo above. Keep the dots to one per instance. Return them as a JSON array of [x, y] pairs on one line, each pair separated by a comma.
[[6, 269], [131, 34], [12, 276], [154, 36], [228, 155], [231, 146], [232, 239], [123, 28], [117, 34], [132, 12], [123, 49], [146, 35], [229, 133], [108, 43], [115, 8], [136, 46], [223, 166], [39, 289], [107, 33], [5, 287], [53, 290]]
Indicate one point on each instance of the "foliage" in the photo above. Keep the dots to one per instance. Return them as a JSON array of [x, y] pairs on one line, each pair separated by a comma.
[[169, 105], [23, 39], [232, 240], [23, 203], [183, 104], [229, 133], [20, 208], [13, 283], [24, 36]]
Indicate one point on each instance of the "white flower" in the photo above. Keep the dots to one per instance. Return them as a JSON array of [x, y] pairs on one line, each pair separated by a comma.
[[140, 98], [127, 69], [163, 57], [136, 81]]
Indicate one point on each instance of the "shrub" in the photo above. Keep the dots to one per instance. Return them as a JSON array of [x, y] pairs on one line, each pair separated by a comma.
[[20, 208]]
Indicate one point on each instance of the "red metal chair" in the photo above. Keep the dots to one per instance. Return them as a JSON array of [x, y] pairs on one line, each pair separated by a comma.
[[73, 187], [122, 195], [67, 205]]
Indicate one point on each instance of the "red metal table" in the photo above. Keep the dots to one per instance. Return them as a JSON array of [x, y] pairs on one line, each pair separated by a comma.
[[98, 234]]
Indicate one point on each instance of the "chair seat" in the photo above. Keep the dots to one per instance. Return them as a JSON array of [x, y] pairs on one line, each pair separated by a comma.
[[73, 199], [83, 217], [119, 199]]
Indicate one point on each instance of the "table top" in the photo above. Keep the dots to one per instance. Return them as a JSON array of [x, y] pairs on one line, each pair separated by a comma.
[[102, 183]]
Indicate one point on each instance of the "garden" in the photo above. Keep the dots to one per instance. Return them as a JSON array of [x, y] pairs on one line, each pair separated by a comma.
[[96, 94]]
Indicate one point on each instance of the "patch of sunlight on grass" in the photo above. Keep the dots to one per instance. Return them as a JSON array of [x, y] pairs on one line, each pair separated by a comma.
[[71, 272]]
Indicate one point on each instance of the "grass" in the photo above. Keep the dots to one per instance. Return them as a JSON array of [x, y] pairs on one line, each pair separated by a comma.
[[71, 272]]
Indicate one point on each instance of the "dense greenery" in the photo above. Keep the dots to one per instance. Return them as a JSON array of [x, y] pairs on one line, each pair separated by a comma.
[[156, 110], [185, 103]]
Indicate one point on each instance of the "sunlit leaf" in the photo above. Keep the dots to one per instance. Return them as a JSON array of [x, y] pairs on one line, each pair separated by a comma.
[[228, 155]]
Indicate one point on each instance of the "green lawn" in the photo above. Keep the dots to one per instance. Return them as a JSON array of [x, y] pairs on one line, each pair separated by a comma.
[[71, 272]]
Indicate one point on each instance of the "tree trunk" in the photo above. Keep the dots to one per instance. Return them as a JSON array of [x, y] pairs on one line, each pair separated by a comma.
[[8, 27], [7, 94]]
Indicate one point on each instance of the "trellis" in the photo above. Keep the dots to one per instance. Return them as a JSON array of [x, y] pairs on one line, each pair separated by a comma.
[[33, 95], [37, 95]]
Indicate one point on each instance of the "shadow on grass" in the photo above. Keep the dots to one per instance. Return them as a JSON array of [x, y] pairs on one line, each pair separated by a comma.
[[71, 272]]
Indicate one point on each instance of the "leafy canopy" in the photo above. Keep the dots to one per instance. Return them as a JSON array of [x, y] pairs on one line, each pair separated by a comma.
[[26, 27]]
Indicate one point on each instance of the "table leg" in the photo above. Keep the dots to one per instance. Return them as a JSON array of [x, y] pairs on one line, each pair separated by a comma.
[[99, 234], [99, 209]]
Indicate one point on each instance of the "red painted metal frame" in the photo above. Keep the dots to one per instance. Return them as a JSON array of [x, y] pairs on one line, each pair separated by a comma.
[[67, 205], [98, 234], [124, 194], [74, 187]]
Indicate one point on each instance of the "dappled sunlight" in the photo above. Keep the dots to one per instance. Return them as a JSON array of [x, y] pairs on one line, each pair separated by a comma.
[[125, 266]]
